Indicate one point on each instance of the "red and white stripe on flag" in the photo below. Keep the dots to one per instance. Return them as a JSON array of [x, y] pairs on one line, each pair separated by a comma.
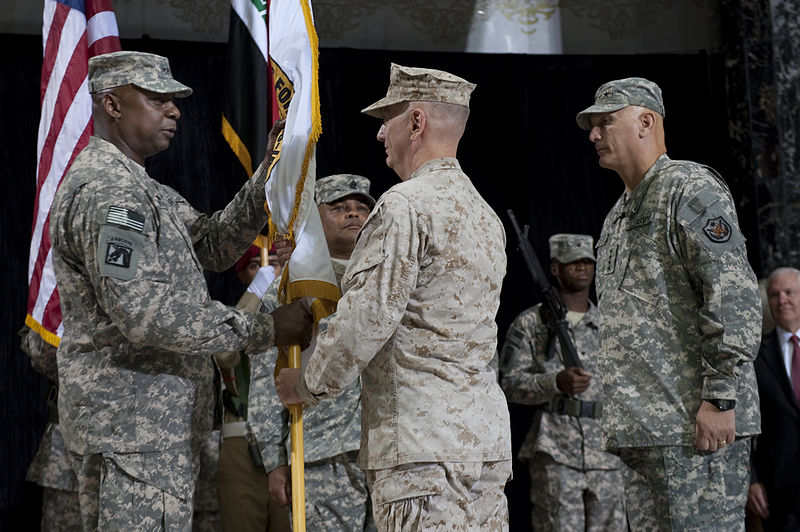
[[72, 32]]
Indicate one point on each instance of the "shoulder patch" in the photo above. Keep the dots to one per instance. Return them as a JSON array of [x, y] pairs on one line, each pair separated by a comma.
[[717, 230], [118, 252], [122, 217], [513, 343]]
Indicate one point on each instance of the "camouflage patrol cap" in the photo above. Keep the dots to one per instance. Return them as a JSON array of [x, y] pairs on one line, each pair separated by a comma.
[[409, 84], [620, 93], [335, 187], [566, 247], [146, 71]]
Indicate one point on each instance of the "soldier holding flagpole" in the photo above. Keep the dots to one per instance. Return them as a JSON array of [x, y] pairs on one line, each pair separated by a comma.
[[416, 321], [129, 253]]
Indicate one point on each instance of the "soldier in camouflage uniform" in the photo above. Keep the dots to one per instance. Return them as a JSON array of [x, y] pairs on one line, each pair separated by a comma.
[[336, 488], [135, 376], [244, 502], [680, 317], [416, 321], [575, 485], [51, 468]]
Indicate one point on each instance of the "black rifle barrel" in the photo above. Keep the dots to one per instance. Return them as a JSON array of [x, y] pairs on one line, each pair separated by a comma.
[[556, 313]]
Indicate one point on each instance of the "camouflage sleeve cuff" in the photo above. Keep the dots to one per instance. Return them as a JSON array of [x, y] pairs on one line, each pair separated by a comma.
[[249, 302], [302, 390], [274, 456], [550, 385], [262, 333], [719, 388]]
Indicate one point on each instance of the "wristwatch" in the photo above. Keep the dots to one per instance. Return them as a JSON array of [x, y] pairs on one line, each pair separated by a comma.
[[722, 404]]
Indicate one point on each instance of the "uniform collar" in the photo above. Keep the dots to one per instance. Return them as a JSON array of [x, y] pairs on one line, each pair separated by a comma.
[[443, 163], [634, 200], [591, 316], [107, 147]]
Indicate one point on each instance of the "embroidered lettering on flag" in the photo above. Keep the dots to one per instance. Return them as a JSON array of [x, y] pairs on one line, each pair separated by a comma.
[[125, 218]]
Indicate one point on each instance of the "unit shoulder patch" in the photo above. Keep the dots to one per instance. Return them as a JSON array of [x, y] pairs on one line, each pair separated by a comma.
[[118, 252], [717, 230]]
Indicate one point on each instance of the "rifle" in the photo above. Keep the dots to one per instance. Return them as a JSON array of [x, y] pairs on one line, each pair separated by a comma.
[[554, 313]]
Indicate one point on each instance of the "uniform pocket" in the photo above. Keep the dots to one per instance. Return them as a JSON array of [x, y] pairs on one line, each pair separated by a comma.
[[643, 276], [415, 480]]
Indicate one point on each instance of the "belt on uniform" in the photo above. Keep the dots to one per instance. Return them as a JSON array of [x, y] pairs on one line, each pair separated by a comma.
[[237, 429], [574, 407]]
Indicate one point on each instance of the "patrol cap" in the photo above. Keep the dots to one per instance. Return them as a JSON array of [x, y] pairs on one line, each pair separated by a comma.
[[146, 71], [410, 84], [335, 187], [567, 247], [615, 95]]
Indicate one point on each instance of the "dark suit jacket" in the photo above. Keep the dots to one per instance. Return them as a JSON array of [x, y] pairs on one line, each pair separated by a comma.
[[776, 458]]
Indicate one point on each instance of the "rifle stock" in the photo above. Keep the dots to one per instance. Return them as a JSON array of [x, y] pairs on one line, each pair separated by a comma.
[[555, 315]]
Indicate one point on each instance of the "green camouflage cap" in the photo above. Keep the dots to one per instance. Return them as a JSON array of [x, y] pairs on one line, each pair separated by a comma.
[[615, 95], [146, 71], [567, 247], [335, 187], [409, 84]]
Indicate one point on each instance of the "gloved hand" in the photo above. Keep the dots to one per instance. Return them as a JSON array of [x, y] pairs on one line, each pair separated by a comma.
[[262, 280]]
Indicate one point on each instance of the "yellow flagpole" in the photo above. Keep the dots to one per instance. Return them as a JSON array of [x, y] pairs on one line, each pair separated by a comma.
[[298, 466]]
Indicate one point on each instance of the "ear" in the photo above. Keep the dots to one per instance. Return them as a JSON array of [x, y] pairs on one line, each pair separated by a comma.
[[647, 122], [418, 122], [554, 268], [111, 105]]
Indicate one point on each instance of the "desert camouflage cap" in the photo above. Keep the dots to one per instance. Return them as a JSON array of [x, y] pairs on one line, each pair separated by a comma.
[[568, 247], [146, 71], [615, 95], [410, 84], [335, 187]]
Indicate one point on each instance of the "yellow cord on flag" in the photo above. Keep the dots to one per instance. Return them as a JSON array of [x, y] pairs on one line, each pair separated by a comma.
[[298, 465], [316, 115]]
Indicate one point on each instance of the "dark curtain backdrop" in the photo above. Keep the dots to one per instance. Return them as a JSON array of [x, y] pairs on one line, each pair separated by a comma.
[[522, 149]]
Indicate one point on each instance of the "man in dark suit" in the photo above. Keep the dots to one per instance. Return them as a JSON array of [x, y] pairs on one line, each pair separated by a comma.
[[775, 485]]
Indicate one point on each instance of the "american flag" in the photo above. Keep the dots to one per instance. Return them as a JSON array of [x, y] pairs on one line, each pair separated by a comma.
[[72, 32]]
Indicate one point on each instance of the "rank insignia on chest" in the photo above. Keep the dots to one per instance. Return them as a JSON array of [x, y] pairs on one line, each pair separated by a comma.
[[717, 230]]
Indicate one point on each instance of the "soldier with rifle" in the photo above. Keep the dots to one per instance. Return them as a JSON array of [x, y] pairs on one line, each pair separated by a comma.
[[548, 359]]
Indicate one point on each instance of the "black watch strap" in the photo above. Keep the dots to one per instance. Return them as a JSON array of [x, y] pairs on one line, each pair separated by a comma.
[[723, 404]]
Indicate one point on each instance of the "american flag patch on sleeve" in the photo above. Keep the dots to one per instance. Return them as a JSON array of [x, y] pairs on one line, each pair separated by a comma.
[[125, 218]]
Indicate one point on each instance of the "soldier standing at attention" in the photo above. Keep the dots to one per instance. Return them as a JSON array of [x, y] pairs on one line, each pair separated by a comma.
[[680, 321], [416, 321], [575, 485], [335, 487], [135, 375]]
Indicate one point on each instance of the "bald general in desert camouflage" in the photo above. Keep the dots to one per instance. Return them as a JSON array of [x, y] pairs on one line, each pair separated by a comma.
[[417, 323]]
